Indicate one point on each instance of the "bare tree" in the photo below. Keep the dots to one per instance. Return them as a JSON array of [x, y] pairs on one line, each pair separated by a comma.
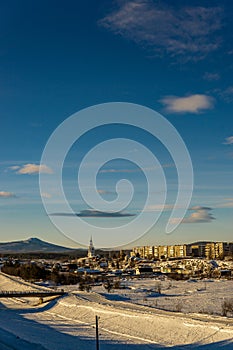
[[227, 307]]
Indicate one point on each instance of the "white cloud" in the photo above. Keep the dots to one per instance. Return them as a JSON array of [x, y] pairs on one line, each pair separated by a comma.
[[159, 207], [14, 167], [178, 31], [135, 170], [227, 94], [102, 191], [105, 192], [211, 76], [46, 195], [199, 215], [4, 194], [33, 169], [227, 204], [228, 140], [191, 104]]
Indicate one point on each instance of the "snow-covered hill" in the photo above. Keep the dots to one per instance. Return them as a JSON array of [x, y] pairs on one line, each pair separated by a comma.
[[31, 245], [69, 322]]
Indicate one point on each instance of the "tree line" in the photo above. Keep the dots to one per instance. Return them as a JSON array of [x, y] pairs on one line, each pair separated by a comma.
[[33, 272]]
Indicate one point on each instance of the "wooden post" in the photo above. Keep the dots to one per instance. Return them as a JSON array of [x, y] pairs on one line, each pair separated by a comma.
[[97, 332]]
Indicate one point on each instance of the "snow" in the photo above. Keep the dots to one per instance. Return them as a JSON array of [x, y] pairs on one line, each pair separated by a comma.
[[127, 320], [194, 296], [9, 341]]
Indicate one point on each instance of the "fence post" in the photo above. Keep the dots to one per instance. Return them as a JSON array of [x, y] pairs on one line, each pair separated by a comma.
[[97, 332]]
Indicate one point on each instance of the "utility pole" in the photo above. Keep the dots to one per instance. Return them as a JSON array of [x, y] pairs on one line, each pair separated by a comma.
[[97, 332]]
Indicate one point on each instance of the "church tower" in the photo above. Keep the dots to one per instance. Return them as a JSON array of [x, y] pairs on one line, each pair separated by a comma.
[[91, 249]]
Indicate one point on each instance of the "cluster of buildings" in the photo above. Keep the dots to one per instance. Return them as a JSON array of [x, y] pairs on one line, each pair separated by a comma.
[[199, 259], [184, 260], [205, 249]]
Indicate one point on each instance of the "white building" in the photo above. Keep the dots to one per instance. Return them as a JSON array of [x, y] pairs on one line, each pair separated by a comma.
[[91, 249]]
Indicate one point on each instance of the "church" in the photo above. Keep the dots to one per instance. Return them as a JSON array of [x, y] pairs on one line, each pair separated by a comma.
[[91, 249]]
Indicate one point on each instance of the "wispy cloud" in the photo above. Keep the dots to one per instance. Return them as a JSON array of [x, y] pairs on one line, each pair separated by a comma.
[[199, 215], [188, 104], [211, 76], [31, 169], [46, 195], [226, 94], [159, 207], [190, 32], [135, 170], [91, 213], [14, 167], [106, 171], [228, 140], [105, 192], [228, 203], [5, 194]]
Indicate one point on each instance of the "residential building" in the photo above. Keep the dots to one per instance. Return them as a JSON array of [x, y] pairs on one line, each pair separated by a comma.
[[218, 250], [197, 249], [160, 252]]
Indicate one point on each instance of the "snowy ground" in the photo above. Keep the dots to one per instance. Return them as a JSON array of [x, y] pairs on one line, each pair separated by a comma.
[[69, 322], [192, 296]]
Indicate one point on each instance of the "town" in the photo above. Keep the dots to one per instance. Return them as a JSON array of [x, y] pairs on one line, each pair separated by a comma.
[[200, 259]]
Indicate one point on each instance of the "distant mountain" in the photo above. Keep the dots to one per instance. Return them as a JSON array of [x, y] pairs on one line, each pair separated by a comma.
[[32, 245]]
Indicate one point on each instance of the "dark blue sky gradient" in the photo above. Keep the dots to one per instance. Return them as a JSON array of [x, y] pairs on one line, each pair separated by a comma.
[[56, 58]]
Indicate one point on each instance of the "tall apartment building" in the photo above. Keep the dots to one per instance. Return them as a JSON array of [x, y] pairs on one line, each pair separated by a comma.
[[138, 251], [218, 250], [149, 252], [160, 252], [156, 252], [210, 251], [145, 252], [163, 252], [204, 249], [180, 250], [197, 249]]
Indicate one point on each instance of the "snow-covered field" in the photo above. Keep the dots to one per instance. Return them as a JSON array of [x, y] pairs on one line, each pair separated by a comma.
[[128, 319], [192, 296]]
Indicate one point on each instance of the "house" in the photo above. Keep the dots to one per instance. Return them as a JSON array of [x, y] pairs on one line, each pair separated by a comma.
[[144, 270]]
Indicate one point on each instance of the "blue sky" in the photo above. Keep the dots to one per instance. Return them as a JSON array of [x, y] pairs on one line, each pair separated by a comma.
[[57, 58]]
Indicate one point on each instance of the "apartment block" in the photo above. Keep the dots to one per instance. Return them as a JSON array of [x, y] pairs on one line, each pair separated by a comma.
[[160, 252], [218, 250], [209, 250], [197, 249]]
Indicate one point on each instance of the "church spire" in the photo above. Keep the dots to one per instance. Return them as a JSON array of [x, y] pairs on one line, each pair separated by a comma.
[[91, 249]]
